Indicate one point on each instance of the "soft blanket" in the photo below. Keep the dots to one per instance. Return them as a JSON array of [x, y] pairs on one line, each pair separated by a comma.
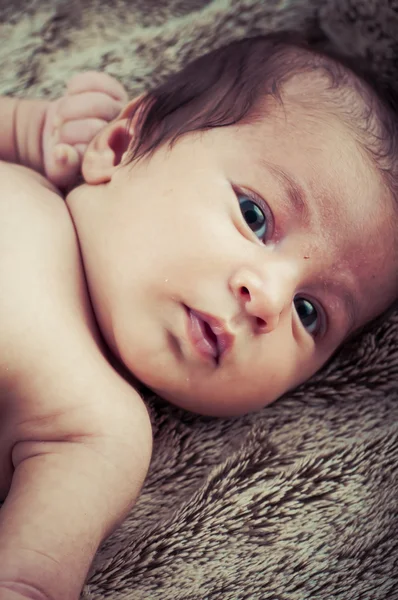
[[299, 501]]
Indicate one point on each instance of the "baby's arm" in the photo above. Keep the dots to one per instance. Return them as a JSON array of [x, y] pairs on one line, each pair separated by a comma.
[[75, 438], [21, 126], [51, 136]]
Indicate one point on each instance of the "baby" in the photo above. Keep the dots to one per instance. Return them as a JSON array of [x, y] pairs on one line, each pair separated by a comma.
[[236, 225]]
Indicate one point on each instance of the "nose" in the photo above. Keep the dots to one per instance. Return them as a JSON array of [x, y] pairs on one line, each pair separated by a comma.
[[263, 297]]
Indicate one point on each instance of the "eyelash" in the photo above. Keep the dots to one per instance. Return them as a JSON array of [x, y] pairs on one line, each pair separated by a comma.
[[322, 316], [262, 204]]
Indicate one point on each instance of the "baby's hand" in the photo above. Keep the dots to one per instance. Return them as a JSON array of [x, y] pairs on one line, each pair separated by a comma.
[[91, 100]]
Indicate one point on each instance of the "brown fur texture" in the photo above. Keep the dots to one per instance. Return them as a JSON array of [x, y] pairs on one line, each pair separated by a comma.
[[299, 501]]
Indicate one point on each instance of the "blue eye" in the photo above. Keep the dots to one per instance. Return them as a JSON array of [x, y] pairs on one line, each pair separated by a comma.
[[308, 314], [253, 215]]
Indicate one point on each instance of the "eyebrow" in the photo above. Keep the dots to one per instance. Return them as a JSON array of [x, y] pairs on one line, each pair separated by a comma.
[[293, 190]]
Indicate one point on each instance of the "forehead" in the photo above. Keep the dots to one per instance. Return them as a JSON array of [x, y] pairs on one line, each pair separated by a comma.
[[318, 148]]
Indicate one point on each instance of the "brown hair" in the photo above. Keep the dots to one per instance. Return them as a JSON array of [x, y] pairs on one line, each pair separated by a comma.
[[224, 87]]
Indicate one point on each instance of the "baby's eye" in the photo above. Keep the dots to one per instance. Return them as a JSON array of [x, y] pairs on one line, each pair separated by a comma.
[[308, 314], [253, 215]]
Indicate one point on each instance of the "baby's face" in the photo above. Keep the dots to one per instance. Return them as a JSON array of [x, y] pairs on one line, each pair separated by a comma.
[[227, 271]]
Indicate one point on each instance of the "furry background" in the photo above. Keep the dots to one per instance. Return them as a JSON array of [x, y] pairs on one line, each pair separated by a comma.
[[299, 501]]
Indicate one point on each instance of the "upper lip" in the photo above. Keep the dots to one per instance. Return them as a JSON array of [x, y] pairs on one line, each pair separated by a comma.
[[215, 332]]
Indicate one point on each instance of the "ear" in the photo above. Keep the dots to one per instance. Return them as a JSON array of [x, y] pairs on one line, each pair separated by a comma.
[[106, 150]]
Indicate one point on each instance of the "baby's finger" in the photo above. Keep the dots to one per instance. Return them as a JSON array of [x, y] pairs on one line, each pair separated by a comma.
[[63, 165], [88, 104], [97, 82], [81, 131], [93, 104]]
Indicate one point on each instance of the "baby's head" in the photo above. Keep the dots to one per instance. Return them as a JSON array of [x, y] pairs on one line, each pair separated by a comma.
[[238, 223]]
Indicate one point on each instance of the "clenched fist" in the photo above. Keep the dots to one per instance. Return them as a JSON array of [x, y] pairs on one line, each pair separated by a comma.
[[91, 101]]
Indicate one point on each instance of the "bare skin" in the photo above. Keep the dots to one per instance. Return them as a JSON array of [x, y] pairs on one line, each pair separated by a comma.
[[75, 437], [276, 234], [162, 240]]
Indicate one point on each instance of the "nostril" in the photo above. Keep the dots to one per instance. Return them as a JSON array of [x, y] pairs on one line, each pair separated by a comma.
[[261, 323], [244, 291]]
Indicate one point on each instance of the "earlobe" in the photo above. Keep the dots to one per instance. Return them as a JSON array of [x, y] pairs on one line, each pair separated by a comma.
[[105, 152]]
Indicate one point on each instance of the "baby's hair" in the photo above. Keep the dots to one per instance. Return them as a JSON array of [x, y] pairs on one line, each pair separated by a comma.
[[226, 86]]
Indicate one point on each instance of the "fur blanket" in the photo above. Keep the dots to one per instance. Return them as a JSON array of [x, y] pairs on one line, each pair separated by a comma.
[[299, 501]]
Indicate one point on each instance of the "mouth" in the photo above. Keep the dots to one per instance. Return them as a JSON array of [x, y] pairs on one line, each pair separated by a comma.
[[208, 335]]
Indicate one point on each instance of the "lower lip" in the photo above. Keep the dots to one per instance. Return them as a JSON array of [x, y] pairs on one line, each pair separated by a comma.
[[198, 338]]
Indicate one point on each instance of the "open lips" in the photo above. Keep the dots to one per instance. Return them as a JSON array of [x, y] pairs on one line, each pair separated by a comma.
[[209, 335]]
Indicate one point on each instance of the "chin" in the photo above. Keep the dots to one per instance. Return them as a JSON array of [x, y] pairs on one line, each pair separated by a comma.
[[207, 407], [205, 400]]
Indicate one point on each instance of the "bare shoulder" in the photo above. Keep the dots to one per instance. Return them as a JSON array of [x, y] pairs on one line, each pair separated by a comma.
[[23, 173], [44, 301], [35, 225], [55, 379], [23, 188]]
